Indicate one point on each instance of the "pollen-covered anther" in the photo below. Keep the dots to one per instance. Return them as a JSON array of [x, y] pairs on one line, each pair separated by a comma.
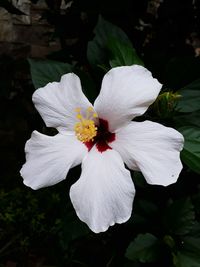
[[85, 129]]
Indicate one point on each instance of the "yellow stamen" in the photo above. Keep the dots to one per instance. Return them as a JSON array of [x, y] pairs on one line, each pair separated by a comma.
[[79, 116], [85, 129], [90, 109], [78, 110]]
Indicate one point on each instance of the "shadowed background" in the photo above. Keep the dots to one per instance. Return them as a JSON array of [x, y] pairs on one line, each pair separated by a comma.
[[40, 228]]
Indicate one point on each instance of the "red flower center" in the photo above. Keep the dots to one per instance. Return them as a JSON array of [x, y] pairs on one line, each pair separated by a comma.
[[103, 137]]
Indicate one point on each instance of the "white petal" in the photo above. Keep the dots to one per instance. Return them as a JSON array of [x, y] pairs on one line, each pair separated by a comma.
[[57, 101], [104, 193], [151, 148], [49, 158], [126, 92]]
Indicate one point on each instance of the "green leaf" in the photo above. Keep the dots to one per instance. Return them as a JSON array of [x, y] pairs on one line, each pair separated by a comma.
[[192, 119], [179, 218], [186, 260], [191, 151], [189, 255], [189, 102], [192, 244], [45, 71], [97, 51], [122, 54], [144, 248]]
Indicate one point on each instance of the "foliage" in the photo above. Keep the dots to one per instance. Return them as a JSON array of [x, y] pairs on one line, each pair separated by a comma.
[[111, 41], [43, 72], [191, 153], [144, 248], [190, 97], [164, 229]]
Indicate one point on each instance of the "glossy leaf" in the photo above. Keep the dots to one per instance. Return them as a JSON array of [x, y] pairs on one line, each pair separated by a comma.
[[122, 54], [191, 151], [190, 100], [45, 71], [97, 51]]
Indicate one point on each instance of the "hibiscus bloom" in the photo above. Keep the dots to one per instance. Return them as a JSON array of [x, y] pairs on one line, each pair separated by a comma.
[[102, 137]]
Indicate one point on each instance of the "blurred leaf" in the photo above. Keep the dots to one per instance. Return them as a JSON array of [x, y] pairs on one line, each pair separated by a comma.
[[71, 227], [169, 241], [97, 51], [179, 218], [190, 100], [192, 244], [186, 260], [122, 54], [144, 248], [191, 151], [45, 71], [10, 8]]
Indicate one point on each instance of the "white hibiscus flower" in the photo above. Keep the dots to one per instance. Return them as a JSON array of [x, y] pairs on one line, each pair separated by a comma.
[[102, 137]]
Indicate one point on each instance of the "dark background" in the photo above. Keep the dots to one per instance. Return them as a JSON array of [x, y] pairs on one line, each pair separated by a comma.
[[40, 228]]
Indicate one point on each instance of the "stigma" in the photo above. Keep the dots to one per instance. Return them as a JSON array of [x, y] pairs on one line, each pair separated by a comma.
[[85, 129]]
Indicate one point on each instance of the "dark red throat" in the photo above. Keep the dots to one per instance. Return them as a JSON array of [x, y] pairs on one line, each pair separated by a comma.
[[103, 137]]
